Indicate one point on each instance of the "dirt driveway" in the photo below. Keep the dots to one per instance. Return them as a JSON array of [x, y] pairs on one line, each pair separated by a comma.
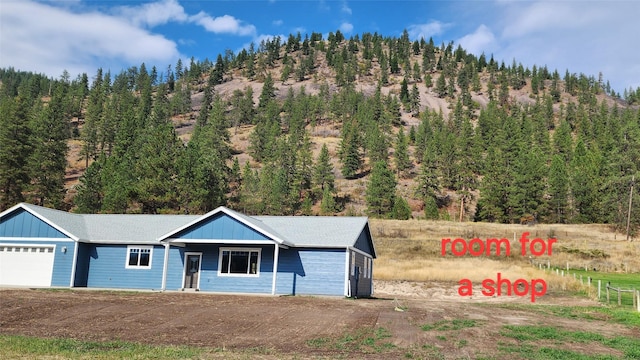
[[287, 324]]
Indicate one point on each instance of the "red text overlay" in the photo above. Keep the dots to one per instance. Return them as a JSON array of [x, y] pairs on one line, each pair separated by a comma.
[[500, 247]]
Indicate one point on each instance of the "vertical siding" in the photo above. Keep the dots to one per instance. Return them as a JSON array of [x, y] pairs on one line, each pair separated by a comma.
[[221, 226], [311, 272], [107, 268], [62, 262], [21, 223]]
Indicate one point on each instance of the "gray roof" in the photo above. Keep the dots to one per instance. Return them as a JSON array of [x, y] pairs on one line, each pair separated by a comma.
[[302, 231], [112, 228], [325, 231]]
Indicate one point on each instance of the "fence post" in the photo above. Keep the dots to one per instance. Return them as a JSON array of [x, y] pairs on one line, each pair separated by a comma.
[[638, 300], [633, 292], [607, 294], [619, 297], [599, 283]]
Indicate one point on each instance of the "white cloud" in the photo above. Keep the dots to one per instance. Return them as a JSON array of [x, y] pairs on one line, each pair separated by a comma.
[[346, 27], [43, 38], [418, 31], [582, 36], [345, 8], [222, 24], [482, 40], [277, 22], [153, 14]]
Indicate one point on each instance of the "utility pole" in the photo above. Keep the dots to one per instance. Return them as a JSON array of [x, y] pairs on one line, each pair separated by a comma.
[[633, 177]]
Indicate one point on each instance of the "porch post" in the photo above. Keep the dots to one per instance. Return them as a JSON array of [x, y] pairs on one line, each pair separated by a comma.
[[276, 254], [165, 266]]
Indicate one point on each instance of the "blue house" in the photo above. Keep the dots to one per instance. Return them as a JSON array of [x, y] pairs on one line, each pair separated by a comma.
[[221, 251]]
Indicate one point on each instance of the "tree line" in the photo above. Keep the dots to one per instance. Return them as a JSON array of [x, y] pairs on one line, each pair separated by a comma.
[[565, 155]]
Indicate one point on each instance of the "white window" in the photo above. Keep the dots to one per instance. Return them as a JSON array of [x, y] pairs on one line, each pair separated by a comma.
[[366, 267], [139, 257], [239, 262]]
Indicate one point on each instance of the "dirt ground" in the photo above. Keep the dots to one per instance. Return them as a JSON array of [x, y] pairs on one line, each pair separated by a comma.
[[286, 325]]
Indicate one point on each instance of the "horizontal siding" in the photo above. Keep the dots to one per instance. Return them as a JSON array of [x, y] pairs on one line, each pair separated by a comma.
[[209, 279], [21, 223], [106, 268], [63, 262], [221, 227], [311, 272]]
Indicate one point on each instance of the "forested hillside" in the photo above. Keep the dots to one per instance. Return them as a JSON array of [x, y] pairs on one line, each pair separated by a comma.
[[374, 125]]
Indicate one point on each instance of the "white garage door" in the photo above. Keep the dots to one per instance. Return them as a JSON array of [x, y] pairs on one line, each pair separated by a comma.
[[26, 265]]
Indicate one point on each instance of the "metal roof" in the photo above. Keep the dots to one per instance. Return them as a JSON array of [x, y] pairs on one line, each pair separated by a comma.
[[297, 231]]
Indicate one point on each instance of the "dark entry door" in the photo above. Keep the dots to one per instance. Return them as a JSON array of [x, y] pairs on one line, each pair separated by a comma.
[[192, 271]]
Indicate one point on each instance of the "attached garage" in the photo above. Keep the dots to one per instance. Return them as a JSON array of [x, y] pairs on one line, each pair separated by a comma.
[[26, 265]]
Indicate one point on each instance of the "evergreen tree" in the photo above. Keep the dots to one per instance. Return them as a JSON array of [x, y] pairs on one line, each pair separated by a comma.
[[268, 93], [328, 202], [401, 209], [14, 151], [381, 191], [558, 190], [351, 155], [401, 154], [49, 158], [323, 171]]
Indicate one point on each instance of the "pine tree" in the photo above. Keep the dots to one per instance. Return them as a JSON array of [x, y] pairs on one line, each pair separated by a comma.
[[328, 202], [323, 171], [268, 93], [49, 158], [350, 154], [381, 191], [401, 153], [558, 190], [401, 209], [14, 151]]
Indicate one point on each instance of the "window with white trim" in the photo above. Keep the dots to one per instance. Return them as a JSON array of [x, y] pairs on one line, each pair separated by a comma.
[[239, 262], [139, 257], [366, 267]]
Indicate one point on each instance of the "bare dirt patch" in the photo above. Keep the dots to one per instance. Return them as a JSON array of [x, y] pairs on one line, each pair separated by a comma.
[[286, 325]]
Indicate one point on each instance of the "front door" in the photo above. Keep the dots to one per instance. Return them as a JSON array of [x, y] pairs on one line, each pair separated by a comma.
[[192, 270]]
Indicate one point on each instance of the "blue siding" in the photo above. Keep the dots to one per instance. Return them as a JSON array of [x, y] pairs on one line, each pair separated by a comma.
[[21, 223], [209, 279], [311, 272], [364, 241], [222, 227], [107, 268], [62, 262]]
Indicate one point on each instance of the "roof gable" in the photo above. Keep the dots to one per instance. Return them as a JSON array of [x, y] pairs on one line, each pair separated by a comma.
[[22, 221], [365, 242], [225, 224]]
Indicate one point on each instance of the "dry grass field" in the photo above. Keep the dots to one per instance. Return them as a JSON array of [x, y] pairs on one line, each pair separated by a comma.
[[411, 250]]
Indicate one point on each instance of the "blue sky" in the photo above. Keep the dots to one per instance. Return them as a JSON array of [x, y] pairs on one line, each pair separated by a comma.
[[81, 35]]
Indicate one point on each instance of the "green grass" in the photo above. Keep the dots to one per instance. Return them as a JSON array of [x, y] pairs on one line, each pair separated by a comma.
[[455, 324], [616, 280], [617, 315], [363, 340], [529, 339], [26, 347]]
